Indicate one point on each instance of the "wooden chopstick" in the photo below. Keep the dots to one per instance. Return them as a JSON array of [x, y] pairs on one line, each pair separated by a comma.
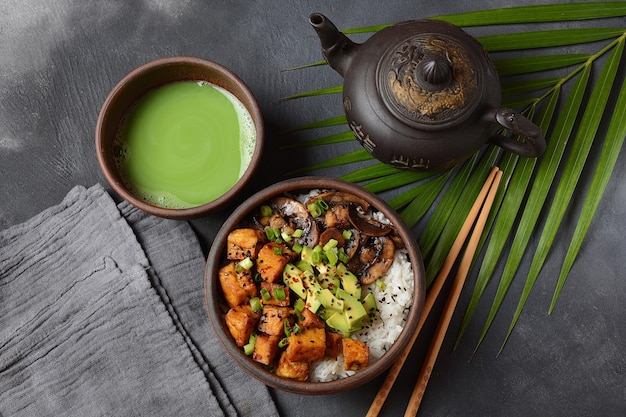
[[433, 293], [453, 298]]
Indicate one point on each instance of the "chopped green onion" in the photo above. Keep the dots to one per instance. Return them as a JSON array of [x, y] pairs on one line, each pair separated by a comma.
[[269, 234], [266, 210], [347, 234], [246, 263], [297, 248], [283, 342], [256, 305], [286, 236], [248, 348], [343, 257], [381, 284], [332, 243], [278, 250], [286, 328], [279, 293], [298, 233], [318, 208], [299, 305], [332, 257], [265, 294], [315, 210]]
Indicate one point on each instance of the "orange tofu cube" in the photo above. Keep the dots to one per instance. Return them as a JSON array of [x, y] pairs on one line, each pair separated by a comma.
[[237, 284], [293, 370], [265, 348], [272, 260], [310, 319], [306, 346], [334, 344], [273, 318], [241, 321], [273, 291], [244, 243], [356, 354]]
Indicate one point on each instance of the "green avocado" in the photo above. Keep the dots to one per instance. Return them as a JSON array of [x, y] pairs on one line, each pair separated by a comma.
[[352, 308], [369, 303], [292, 277], [329, 301], [338, 321], [313, 290], [349, 281]]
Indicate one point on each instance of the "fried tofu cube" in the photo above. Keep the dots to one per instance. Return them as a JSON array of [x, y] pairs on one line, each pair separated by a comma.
[[306, 346], [275, 294], [356, 354], [273, 318], [334, 344], [265, 348], [272, 260], [237, 284], [293, 370], [241, 321], [310, 319], [244, 243]]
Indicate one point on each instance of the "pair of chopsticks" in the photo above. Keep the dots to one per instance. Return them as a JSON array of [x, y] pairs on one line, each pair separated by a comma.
[[480, 210]]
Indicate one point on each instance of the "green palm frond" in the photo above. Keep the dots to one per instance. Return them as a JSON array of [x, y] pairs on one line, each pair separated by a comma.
[[558, 92]]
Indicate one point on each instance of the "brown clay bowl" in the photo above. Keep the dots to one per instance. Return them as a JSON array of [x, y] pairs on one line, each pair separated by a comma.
[[216, 306], [155, 74]]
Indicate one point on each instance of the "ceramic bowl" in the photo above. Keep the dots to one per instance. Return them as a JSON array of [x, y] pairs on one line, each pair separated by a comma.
[[153, 75], [216, 306]]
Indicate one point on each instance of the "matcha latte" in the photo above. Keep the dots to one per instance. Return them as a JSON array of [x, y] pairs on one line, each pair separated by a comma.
[[184, 144]]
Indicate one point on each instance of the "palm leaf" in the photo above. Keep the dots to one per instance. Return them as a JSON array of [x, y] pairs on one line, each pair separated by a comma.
[[513, 201], [538, 194], [516, 66], [538, 14], [440, 200], [614, 140], [575, 164], [547, 38]]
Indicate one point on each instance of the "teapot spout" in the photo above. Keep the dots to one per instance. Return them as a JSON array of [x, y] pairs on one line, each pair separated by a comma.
[[337, 48]]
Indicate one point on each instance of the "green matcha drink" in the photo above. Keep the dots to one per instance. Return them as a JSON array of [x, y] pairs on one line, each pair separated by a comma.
[[184, 144]]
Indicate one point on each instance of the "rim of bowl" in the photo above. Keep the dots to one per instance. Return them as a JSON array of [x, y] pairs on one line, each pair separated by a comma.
[[213, 295], [245, 95]]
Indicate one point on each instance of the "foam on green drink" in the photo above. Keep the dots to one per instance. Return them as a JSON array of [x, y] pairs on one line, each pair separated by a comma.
[[184, 144]]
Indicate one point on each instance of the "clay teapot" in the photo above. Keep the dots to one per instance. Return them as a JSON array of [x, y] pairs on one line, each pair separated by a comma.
[[423, 95]]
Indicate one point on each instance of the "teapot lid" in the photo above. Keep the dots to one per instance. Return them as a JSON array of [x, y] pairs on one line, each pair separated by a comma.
[[430, 80]]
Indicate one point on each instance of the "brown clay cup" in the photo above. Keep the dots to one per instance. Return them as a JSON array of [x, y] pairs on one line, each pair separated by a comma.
[[155, 74]]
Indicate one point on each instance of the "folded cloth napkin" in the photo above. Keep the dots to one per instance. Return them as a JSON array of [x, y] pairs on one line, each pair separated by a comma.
[[102, 314]]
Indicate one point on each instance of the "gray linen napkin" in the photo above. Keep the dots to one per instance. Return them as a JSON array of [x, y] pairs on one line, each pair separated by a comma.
[[102, 314]]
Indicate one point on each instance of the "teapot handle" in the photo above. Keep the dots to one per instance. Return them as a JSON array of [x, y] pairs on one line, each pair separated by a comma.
[[534, 143]]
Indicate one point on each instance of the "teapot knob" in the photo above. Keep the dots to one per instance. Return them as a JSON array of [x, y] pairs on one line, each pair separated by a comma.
[[434, 73]]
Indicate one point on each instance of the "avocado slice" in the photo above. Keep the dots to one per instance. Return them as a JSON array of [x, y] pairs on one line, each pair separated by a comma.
[[369, 303], [349, 281], [352, 308], [329, 280], [330, 301], [292, 277], [313, 290], [338, 321]]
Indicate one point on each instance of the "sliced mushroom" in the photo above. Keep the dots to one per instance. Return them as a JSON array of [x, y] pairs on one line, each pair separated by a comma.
[[337, 215], [373, 260], [353, 244], [297, 214], [332, 233], [368, 225], [340, 197]]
